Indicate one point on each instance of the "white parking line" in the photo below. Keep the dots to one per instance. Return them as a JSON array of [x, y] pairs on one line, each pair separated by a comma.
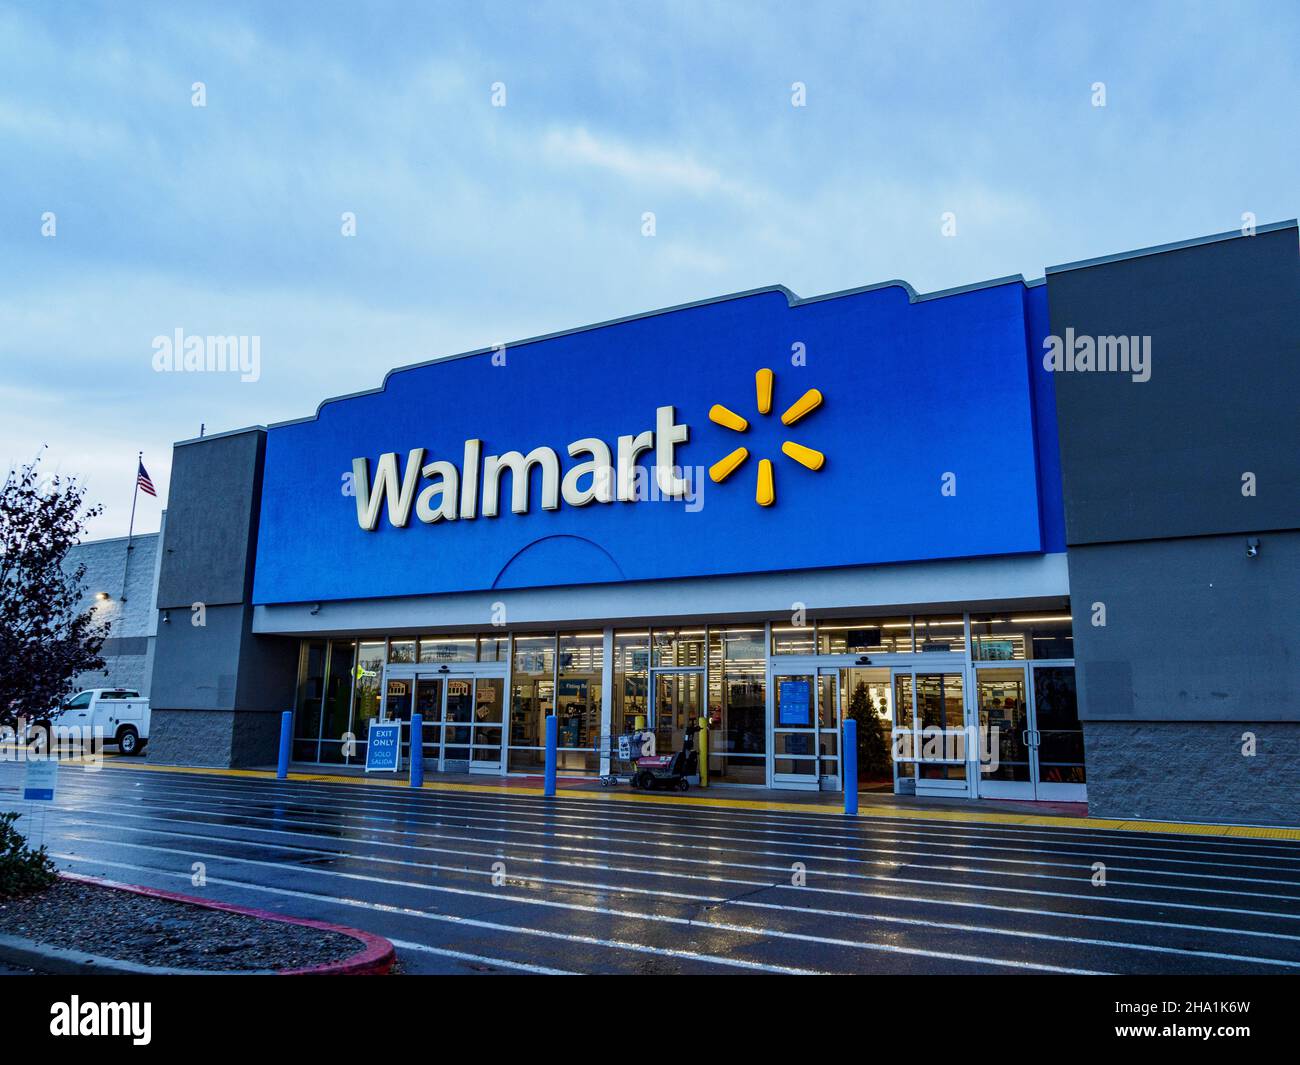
[[606, 911], [468, 922], [586, 810], [1110, 898], [445, 952], [510, 825], [779, 885]]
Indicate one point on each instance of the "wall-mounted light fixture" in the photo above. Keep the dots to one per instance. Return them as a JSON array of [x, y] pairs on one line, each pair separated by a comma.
[[101, 595]]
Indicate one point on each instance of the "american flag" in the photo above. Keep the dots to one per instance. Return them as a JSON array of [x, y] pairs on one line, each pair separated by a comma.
[[142, 481]]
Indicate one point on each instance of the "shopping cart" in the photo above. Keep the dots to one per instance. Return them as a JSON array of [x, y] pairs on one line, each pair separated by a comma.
[[622, 752]]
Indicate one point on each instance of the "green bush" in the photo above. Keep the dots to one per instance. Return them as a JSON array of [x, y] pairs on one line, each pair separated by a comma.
[[22, 870]]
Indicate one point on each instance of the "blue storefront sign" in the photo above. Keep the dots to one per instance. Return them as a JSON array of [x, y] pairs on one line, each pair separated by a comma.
[[794, 703], [384, 747], [748, 434]]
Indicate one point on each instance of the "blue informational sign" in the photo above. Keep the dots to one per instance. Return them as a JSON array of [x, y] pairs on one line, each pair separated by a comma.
[[39, 780], [794, 703], [767, 418], [384, 747]]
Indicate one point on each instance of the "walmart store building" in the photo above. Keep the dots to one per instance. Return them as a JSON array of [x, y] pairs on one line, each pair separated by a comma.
[[774, 513]]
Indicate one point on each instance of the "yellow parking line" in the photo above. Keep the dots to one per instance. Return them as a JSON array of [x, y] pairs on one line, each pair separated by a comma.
[[866, 810]]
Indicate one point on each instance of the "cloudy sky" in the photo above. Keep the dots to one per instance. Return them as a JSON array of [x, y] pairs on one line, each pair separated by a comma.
[[478, 224]]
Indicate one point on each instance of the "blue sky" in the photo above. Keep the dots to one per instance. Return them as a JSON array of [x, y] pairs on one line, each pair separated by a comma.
[[479, 224]]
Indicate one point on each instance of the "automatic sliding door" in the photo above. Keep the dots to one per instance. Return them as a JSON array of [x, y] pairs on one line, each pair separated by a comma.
[[828, 729], [677, 704], [1006, 765], [930, 733], [457, 724], [794, 731], [485, 739], [428, 704]]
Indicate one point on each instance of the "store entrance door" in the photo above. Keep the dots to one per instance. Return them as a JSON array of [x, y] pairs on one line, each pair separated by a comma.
[[806, 713], [1039, 741], [676, 702], [930, 748], [463, 713]]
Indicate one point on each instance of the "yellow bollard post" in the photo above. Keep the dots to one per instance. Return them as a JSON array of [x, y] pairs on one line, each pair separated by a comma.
[[703, 740]]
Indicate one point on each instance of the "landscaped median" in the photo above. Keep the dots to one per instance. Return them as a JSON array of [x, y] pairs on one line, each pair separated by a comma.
[[80, 925]]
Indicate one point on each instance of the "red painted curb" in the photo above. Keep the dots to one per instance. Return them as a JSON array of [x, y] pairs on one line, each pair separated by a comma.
[[374, 959]]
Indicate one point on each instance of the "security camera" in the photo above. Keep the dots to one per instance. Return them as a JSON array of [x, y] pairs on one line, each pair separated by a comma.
[[1252, 546]]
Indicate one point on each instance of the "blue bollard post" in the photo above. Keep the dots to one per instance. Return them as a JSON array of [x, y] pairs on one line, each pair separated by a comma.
[[552, 736], [286, 741], [849, 767], [417, 750]]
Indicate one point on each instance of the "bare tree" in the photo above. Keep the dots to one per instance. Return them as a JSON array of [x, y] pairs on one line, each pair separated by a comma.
[[46, 637]]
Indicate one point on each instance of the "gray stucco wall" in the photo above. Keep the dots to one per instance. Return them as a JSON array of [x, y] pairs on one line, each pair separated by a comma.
[[1195, 629], [217, 687], [1165, 457], [129, 608], [1199, 641]]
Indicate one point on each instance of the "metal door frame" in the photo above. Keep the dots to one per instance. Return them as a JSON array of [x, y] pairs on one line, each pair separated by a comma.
[[471, 671]]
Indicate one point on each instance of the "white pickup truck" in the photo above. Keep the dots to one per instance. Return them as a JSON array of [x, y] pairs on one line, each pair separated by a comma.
[[120, 712]]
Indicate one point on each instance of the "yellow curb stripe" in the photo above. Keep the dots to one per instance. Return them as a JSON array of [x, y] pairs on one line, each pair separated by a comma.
[[760, 805]]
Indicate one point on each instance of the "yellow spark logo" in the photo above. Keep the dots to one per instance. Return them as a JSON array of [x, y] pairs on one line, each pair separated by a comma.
[[765, 495]]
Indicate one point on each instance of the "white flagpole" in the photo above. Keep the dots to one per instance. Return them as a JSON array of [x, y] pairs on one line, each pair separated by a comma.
[[130, 529]]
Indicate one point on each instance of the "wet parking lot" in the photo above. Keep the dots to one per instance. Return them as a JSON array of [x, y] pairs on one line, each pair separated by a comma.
[[470, 882]]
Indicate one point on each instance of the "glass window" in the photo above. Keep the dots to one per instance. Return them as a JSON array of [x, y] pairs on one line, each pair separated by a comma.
[[864, 635], [788, 639], [1060, 736], [1015, 637], [945, 632], [532, 697], [448, 648], [338, 699], [631, 672], [737, 705], [493, 647], [678, 647], [401, 651], [370, 668], [311, 691], [578, 700], [79, 702]]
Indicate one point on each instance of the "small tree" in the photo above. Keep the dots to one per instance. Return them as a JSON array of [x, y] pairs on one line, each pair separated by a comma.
[[873, 743], [46, 638]]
